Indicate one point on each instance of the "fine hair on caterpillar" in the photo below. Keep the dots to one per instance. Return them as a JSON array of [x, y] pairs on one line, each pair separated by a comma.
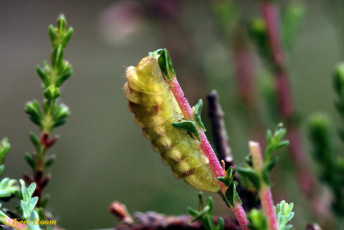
[[156, 110]]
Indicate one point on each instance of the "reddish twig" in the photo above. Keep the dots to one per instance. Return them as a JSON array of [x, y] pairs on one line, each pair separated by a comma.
[[264, 192], [285, 101], [206, 149]]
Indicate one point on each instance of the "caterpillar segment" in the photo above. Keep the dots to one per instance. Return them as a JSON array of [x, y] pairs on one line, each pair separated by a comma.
[[155, 109]]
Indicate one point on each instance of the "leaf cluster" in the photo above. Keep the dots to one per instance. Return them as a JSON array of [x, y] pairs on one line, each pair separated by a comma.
[[283, 212], [205, 215], [231, 194], [52, 115], [275, 141], [331, 166]]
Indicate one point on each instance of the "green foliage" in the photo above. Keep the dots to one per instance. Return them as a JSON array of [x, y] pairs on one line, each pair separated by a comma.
[[251, 175], [338, 85], [197, 114], [165, 62], [189, 126], [284, 214], [231, 194], [27, 205], [52, 115], [292, 19], [275, 141], [205, 215], [226, 14], [4, 149], [331, 167], [257, 220], [258, 33], [8, 187]]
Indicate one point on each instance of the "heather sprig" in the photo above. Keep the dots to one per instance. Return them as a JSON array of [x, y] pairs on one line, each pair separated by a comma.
[[51, 114]]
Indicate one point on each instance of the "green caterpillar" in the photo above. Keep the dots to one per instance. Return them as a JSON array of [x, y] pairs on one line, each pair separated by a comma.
[[155, 108]]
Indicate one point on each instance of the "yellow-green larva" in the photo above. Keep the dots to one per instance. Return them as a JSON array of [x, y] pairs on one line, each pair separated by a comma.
[[155, 109]]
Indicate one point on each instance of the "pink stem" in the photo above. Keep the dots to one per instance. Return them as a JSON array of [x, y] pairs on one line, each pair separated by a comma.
[[286, 107], [188, 114], [264, 191], [240, 215], [206, 148], [268, 207]]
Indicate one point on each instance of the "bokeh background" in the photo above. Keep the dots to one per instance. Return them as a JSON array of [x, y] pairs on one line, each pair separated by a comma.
[[102, 155]]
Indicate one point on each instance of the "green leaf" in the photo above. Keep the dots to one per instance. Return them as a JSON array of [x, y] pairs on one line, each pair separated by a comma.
[[251, 175], [188, 126], [165, 62], [33, 109], [8, 187], [45, 201], [275, 141], [34, 140], [29, 159], [32, 203], [64, 74], [198, 110], [25, 194], [5, 147], [257, 220], [291, 22], [230, 194], [284, 214], [220, 224], [25, 209], [50, 161], [267, 169], [67, 36], [43, 75], [2, 168], [52, 92], [31, 189], [57, 56]]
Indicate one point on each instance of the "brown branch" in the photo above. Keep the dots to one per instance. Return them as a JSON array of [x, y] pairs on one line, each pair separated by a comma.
[[218, 128], [153, 220]]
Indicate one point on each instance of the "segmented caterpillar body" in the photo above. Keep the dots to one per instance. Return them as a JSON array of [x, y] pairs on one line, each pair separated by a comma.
[[155, 109]]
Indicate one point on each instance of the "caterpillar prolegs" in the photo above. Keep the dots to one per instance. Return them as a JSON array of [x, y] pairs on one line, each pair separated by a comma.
[[155, 109]]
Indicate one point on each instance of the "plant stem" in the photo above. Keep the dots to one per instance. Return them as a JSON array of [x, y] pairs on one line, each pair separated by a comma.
[[285, 101], [206, 148], [218, 129], [264, 191]]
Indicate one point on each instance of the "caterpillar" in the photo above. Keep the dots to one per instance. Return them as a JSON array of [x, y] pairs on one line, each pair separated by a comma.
[[155, 109]]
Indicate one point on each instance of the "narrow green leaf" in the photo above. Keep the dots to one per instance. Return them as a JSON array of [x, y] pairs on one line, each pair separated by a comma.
[[188, 126], [198, 110], [32, 203], [251, 175], [45, 201], [31, 189], [67, 36], [29, 159], [34, 140], [50, 161], [230, 194], [220, 224], [165, 62], [2, 168], [44, 77], [267, 169]]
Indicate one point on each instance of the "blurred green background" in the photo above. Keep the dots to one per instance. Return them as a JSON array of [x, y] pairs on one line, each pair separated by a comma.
[[102, 155]]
